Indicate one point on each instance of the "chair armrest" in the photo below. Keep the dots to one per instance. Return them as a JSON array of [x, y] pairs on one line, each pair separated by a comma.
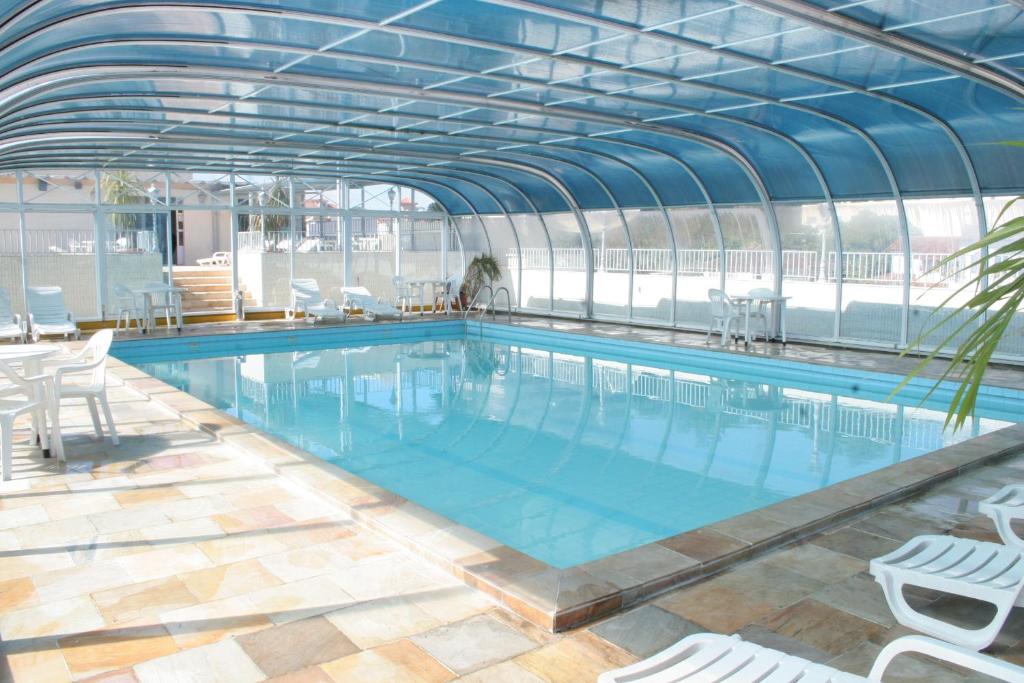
[[74, 368], [954, 654], [22, 382]]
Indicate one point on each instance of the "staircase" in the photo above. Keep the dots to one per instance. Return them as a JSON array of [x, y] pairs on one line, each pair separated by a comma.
[[206, 289]]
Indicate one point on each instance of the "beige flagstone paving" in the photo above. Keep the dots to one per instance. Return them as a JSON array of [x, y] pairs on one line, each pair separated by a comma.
[[176, 557]]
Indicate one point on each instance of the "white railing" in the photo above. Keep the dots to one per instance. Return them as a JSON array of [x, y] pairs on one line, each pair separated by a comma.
[[858, 266], [60, 241]]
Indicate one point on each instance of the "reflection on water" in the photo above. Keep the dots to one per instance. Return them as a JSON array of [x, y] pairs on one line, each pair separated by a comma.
[[564, 456]]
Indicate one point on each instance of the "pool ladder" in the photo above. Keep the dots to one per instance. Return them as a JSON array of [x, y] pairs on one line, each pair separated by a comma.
[[490, 306]]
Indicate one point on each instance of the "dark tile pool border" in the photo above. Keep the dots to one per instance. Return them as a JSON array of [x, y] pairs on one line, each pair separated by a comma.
[[559, 599]]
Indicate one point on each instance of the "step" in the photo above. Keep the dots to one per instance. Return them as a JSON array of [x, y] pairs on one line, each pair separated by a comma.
[[219, 287], [201, 280], [206, 270]]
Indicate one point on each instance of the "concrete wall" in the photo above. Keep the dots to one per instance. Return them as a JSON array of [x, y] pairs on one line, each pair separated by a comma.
[[266, 275], [76, 275]]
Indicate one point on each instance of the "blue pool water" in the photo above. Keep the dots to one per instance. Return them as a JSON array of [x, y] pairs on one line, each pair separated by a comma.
[[568, 448]]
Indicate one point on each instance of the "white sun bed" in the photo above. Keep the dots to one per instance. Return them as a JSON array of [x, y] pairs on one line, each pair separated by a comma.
[[306, 297], [360, 297], [47, 314], [984, 571], [11, 324], [1003, 507], [218, 258], [714, 658]]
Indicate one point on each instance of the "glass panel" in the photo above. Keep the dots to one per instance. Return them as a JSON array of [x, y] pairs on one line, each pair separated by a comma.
[[199, 234], [652, 254], [62, 252], [131, 188], [58, 187], [503, 247], [421, 243], [1012, 342], [699, 264], [373, 254], [808, 246], [872, 271], [938, 227], [10, 261], [264, 259], [612, 264], [536, 261], [200, 189], [135, 250], [570, 264], [749, 262], [319, 254]]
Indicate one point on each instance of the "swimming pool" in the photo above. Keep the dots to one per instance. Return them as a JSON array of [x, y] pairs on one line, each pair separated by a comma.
[[566, 447]]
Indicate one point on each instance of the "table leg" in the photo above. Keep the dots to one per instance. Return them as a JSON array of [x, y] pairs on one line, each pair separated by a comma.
[[746, 325]]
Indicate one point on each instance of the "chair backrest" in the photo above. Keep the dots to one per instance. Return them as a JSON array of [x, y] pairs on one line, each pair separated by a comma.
[[96, 351], [306, 291], [453, 285], [721, 306], [122, 292], [46, 304], [6, 311]]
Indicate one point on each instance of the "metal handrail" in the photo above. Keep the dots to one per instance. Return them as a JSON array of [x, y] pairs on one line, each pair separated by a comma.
[[493, 301], [465, 314]]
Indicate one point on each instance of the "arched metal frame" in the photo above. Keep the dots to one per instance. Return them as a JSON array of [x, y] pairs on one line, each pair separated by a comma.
[[34, 136]]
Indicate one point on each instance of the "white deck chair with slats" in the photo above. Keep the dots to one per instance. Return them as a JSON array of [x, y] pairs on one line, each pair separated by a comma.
[[714, 658], [306, 297], [988, 572], [360, 298], [47, 314], [1004, 506], [11, 324]]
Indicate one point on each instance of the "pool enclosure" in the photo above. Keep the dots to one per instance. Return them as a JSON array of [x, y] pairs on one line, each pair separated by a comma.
[[617, 158]]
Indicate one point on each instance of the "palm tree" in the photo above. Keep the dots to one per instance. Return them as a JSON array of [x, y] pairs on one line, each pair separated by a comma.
[[998, 292], [118, 188]]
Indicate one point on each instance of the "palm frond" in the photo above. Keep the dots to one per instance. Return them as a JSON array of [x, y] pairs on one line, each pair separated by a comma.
[[997, 264]]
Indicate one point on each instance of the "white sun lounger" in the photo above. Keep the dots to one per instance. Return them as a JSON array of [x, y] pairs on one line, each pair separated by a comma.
[[1003, 507], [47, 314], [306, 297], [984, 571], [714, 658], [360, 297], [219, 258], [11, 324]]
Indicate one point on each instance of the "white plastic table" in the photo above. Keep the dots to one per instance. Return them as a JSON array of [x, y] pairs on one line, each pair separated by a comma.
[[147, 292], [30, 357], [778, 304], [422, 286]]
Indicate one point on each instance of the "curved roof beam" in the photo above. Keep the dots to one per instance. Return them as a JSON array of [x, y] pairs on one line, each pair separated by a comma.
[[629, 29], [550, 110], [95, 74], [835, 22]]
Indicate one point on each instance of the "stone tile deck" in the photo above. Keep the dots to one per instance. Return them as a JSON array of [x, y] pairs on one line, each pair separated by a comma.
[[175, 556]]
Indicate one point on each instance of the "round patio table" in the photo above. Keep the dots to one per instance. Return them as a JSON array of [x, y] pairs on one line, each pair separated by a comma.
[[30, 357]]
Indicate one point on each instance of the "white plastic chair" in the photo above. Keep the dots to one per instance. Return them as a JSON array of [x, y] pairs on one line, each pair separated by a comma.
[[450, 295], [19, 396], [306, 297], [983, 571], [713, 658], [47, 314], [128, 309], [166, 304], [406, 293], [723, 315], [1003, 507], [11, 324], [360, 297], [761, 312], [218, 258], [91, 362]]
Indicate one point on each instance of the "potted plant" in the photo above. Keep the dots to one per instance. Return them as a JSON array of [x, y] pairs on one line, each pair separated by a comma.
[[481, 271]]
